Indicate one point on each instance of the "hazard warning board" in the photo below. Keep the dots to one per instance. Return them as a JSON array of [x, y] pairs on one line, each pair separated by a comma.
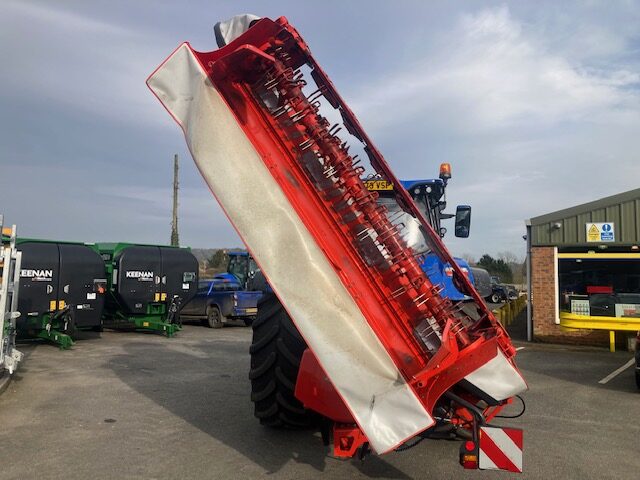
[[600, 232], [500, 449]]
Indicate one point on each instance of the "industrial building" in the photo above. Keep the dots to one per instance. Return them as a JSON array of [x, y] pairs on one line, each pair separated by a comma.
[[584, 272]]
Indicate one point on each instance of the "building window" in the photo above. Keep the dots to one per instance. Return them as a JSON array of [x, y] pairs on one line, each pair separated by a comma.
[[599, 285]]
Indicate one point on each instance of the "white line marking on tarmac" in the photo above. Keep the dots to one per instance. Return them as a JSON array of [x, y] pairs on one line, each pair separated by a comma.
[[520, 348], [617, 372]]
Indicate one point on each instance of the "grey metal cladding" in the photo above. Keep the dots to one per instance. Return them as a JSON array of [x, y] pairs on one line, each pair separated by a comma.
[[566, 227]]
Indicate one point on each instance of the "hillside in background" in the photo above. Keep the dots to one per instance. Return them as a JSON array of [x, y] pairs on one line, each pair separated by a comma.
[[202, 254]]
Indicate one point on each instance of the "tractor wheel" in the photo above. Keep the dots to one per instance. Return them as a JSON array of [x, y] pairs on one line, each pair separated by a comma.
[[638, 379], [276, 352], [214, 317], [495, 298]]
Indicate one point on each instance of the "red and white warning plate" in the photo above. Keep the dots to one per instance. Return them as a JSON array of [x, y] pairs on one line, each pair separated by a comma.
[[500, 449]]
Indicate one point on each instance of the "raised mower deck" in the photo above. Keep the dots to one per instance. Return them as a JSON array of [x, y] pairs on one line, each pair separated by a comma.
[[375, 325]]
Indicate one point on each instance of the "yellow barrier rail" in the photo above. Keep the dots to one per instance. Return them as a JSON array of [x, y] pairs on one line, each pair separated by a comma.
[[613, 324], [510, 310]]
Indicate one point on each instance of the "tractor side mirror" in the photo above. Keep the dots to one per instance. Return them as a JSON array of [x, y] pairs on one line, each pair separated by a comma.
[[463, 221]]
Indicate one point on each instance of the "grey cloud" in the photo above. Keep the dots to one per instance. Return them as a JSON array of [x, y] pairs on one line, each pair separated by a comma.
[[536, 105]]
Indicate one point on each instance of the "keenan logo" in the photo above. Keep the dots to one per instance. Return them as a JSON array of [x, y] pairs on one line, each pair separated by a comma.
[[37, 275], [140, 275]]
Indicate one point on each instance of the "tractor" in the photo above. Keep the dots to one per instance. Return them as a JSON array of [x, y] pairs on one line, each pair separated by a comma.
[[429, 195], [356, 339]]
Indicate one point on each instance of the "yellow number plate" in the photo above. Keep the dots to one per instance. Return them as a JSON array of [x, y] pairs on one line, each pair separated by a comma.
[[376, 185]]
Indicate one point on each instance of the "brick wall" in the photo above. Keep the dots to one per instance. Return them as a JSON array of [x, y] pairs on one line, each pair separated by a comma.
[[544, 310]]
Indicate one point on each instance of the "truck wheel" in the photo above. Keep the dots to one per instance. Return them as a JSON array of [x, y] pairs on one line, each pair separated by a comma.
[[495, 298], [214, 317], [276, 352]]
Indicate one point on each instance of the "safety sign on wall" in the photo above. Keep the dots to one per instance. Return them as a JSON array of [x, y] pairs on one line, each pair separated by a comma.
[[600, 232]]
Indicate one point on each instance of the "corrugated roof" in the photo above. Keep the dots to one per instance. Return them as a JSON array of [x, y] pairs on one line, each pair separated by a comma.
[[587, 207], [568, 226]]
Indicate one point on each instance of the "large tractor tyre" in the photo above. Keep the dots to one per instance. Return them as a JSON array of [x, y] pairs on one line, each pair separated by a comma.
[[638, 379], [214, 317], [276, 352]]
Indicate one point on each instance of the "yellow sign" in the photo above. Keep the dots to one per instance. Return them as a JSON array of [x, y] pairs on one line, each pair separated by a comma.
[[593, 233], [377, 185], [601, 232]]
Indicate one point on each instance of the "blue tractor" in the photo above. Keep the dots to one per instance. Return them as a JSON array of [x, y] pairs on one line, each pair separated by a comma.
[[430, 196], [244, 269]]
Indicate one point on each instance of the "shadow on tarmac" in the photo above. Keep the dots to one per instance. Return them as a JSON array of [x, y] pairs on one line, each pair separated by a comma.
[[212, 393], [572, 363]]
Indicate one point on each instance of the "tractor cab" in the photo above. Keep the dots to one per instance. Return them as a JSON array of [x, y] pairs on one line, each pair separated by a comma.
[[430, 197], [246, 271], [242, 266]]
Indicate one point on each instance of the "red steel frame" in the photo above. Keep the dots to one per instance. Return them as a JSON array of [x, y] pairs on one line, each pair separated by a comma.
[[394, 294]]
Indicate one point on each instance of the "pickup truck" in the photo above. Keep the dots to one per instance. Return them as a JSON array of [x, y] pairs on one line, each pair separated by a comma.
[[501, 292], [220, 300]]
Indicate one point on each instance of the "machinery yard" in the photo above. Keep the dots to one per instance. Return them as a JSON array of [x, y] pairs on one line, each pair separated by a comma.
[[325, 310], [143, 406]]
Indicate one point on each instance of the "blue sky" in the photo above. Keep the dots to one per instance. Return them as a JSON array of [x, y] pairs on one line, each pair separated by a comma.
[[535, 104]]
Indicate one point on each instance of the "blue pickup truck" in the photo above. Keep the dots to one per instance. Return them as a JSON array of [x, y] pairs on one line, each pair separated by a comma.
[[220, 300]]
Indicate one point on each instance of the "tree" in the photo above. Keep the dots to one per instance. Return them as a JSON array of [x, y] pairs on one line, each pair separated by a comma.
[[515, 264], [498, 268], [487, 262], [509, 257], [218, 260]]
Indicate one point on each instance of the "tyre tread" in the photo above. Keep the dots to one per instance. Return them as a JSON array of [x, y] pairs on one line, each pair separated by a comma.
[[276, 351]]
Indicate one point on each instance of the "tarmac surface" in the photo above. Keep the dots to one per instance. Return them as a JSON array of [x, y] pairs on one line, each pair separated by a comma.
[[138, 405]]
